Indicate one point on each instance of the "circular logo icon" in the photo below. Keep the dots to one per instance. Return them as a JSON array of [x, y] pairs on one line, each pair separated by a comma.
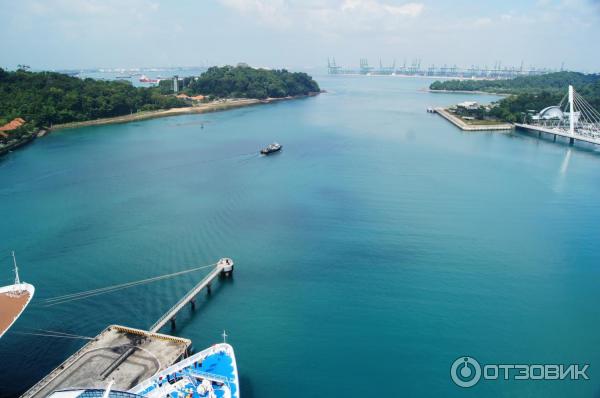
[[465, 372]]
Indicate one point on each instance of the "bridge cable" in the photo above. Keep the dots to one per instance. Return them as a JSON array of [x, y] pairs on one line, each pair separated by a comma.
[[586, 105], [584, 118], [587, 108], [560, 104]]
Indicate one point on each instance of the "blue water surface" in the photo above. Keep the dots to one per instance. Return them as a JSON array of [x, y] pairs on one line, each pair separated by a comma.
[[381, 244]]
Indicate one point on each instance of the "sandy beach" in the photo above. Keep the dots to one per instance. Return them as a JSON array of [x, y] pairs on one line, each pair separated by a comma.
[[214, 106]]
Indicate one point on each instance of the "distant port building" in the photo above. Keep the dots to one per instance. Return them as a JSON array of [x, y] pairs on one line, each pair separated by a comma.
[[497, 71], [552, 113], [469, 105]]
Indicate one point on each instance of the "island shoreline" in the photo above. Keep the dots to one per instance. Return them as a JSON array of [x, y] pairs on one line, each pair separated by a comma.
[[215, 106], [468, 92]]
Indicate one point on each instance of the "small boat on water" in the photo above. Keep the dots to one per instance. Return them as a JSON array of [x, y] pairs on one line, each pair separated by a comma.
[[271, 148], [13, 300]]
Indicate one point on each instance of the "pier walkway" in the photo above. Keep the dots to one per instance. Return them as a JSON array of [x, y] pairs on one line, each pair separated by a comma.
[[559, 132], [126, 355], [224, 266]]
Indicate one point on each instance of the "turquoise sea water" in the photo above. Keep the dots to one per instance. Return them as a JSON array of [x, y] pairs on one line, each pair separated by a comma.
[[381, 244]]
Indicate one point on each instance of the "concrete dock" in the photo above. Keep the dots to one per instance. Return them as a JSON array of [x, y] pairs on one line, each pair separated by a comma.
[[86, 368], [471, 127], [125, 354]]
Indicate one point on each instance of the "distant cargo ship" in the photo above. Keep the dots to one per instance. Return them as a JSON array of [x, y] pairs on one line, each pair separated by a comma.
[[146, 79], [13, 300]]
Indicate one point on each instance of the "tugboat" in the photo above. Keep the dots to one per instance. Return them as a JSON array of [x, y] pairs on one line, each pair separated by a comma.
[[271, 148]]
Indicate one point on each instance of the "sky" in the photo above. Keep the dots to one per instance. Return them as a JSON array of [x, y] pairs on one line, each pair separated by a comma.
[[298, 34]]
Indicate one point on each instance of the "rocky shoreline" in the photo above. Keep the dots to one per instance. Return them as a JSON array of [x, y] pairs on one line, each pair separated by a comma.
[[22, 142]]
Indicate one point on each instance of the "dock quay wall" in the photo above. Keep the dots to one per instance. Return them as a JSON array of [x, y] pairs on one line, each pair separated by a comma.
[[470, 127]]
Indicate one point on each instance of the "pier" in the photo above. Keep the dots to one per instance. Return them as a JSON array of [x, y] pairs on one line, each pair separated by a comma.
[[223, 267], [150, 353], [127, 355], [470, 127]]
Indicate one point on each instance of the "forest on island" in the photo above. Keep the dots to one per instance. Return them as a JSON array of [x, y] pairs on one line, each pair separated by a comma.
[[246, 82], [43, 99], [527, 94], [46, 98]]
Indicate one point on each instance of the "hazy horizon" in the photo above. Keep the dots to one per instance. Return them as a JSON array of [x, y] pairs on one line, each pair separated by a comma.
[[70, 34]]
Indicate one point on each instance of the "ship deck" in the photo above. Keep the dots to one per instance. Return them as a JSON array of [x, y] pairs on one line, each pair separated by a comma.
[[11, 306], [211, 371]]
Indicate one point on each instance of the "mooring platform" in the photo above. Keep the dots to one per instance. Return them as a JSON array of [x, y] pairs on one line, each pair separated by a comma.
[[93, 365], [458, 122], [127, 355]]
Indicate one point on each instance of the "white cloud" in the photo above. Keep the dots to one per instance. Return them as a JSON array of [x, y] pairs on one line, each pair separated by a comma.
[[90, 8], [379, 9], [327, 16], [297, 32], [481, 22], [271, 12]]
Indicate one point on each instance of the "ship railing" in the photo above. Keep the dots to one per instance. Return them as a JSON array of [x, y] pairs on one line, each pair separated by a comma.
[[144, 387], [209, 376], [186, 363]]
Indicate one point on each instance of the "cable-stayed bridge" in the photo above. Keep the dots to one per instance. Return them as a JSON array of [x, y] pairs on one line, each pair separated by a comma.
[[573, 118]]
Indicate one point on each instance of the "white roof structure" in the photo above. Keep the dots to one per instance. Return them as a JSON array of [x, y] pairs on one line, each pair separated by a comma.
[[551, 112], [468, 104]]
